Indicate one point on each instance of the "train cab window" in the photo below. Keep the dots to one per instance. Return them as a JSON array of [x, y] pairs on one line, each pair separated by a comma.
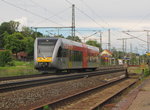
[[45, 47]]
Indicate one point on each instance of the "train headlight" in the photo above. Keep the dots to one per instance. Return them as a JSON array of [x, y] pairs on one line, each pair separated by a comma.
[[47, 59]]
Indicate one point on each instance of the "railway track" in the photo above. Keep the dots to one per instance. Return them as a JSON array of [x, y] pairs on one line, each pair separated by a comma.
[[85, 100], [94, 98], [43, 75], [37, 97], [11, 86]]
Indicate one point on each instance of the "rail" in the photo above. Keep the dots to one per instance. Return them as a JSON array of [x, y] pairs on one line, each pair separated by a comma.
[[5, 87]]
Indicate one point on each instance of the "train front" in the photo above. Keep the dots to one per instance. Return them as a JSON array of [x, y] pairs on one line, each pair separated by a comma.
[[43, 53]]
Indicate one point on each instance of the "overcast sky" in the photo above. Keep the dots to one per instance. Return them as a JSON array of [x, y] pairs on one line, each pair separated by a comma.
[[117, 15]]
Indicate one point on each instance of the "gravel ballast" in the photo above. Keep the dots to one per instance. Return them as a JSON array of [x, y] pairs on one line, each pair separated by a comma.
[[32, 97]]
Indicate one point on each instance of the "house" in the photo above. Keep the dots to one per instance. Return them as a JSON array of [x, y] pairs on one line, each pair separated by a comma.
[[21, 55], [106, 54], [106, 57]]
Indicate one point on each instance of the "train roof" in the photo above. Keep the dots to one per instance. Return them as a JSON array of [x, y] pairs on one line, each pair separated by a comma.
[[70, 42]]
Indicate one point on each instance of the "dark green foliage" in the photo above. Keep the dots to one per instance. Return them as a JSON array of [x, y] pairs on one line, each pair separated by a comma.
[[15, 42], [29, 41], [7, 27], [93, 43], [76, 38], [28, 32], [6, 58], [59, 36], [146, 72]]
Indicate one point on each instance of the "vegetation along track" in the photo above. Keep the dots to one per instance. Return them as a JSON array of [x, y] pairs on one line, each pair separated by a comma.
[[5, 87]]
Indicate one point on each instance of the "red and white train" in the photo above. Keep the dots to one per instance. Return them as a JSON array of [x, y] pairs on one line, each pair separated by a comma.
[[62, 54]]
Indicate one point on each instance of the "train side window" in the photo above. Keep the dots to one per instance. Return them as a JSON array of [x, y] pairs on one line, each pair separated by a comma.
[[64, 52], [80, 56], [77, 56]]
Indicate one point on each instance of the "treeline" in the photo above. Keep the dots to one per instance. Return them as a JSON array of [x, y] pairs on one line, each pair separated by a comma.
[[16, 41]]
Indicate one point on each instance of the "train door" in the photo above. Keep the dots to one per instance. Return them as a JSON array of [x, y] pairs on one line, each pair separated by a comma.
[[84, 62], [70, 57]]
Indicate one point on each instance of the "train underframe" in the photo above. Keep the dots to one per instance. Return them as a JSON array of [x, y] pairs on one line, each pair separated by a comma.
[[44, 68]]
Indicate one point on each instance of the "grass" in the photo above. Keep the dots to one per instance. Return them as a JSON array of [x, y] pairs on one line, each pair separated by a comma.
[[22, 63], [20, 68], [137, 70]]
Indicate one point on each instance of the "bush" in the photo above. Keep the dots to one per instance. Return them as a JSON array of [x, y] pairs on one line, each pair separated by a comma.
[[6, 58], [146, 72]]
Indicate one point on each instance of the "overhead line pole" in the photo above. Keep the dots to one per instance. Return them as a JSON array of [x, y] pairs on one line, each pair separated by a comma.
[[124, 44], [148, 37], [109, 44], [73, 21], [100, 46], [148, 40]]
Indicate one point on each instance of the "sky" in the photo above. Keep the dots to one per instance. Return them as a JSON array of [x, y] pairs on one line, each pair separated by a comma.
[[97, 15]]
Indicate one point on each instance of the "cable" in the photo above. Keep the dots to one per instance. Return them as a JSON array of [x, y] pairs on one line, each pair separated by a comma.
[[28, 11], [90, 17], [94, 11], [136, 37], [85, 14], [114, 34], [53, 16], [140, 21]]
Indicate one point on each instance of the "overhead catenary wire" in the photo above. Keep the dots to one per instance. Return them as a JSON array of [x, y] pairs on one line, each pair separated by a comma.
[[86, 15], [32, 13], [136, 37], [92, 19], [54, 15], [85, 3]]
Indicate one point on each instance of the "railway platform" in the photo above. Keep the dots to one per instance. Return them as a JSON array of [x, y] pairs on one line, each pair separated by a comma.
[[137, 99]]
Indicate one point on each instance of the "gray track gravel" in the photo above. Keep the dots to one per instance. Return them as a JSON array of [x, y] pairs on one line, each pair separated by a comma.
[[31, 97]]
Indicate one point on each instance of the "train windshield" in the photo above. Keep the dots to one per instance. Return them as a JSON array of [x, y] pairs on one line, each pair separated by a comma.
[[46, 47]]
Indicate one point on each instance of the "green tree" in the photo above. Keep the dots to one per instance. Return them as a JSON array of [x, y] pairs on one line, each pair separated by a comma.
[[29, 49], [9, 27], [59, 36], [37, 34], [76, 38], [6, 58], [15, 42], [27, 32], [94, 43]]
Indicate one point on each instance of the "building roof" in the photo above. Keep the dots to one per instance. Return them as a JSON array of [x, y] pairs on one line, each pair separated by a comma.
[[106, 53]]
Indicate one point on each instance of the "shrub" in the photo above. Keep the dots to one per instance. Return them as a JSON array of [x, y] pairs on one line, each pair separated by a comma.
[[146, 72], [6, 58]]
